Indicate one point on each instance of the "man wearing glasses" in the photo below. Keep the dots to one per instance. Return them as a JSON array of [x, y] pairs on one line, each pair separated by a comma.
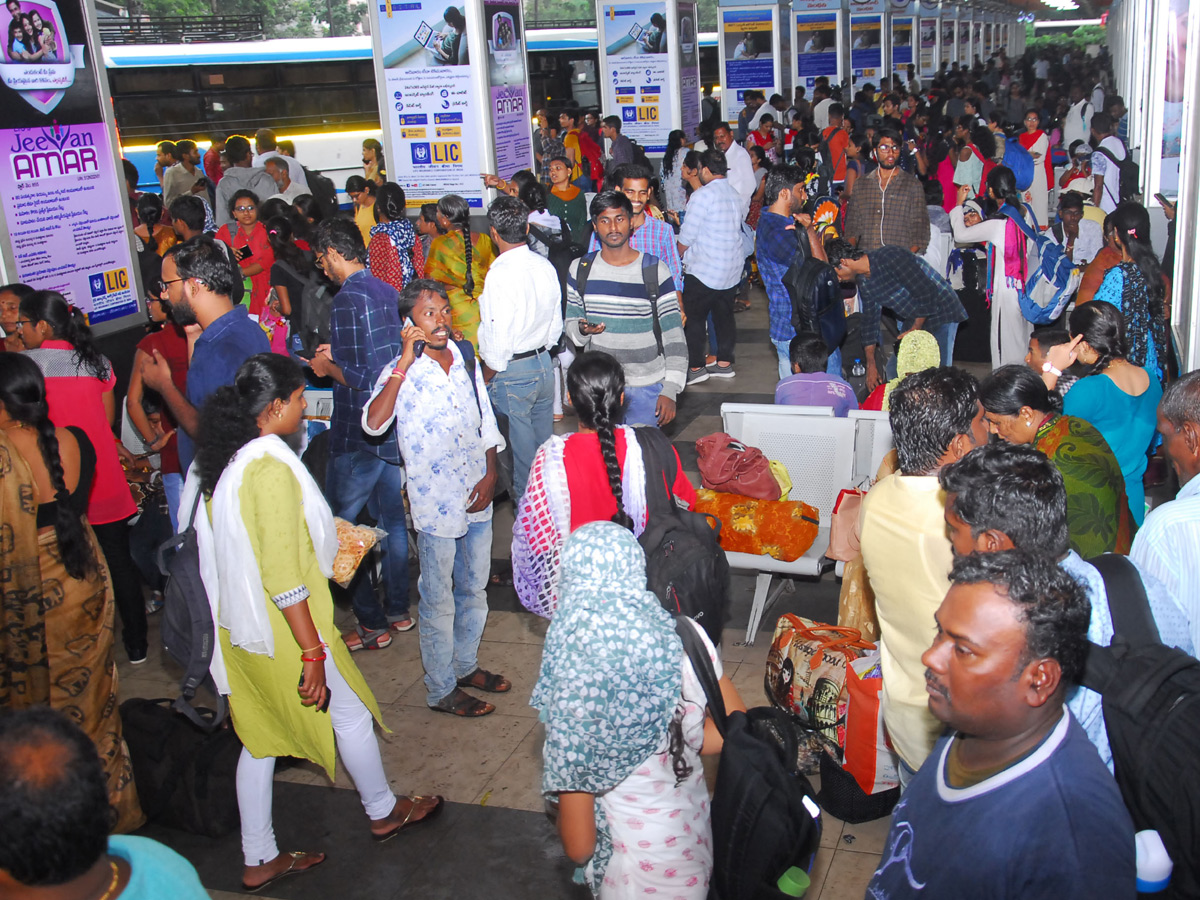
[[889, 204]]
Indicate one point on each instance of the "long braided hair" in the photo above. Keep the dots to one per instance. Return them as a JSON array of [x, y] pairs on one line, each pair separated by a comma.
[[455, 208], [596, 383], [23, 396]]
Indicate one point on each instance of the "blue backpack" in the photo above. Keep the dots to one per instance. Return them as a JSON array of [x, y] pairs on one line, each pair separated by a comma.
[[1052, 278], [1020, 161]]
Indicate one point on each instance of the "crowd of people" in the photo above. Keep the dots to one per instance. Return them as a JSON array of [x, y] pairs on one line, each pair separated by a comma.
[[604, 289]]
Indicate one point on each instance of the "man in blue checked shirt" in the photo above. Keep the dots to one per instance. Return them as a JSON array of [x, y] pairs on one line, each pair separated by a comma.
[[364, 337], [650, 235]]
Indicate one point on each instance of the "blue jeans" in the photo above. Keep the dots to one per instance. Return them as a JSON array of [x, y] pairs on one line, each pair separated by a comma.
[[640, 405], [525, 393], [173, 487], [352, 481], [453, 605], [833, 367]]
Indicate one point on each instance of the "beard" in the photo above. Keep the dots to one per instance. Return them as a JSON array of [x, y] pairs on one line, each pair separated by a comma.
[[182, 313], [888, 166]]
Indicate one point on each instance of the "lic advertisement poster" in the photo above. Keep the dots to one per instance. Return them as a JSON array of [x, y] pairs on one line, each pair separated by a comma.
[[639, 79], [928, 63], [689, 69], [948, 26], [512, 130], [866, 45], [816, 47], [427, 76], [63, 208], [748, 38], [964, 43], [902, 45]]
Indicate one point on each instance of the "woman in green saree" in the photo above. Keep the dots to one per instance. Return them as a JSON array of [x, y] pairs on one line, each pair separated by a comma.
[[1020, 410], [460, 260]]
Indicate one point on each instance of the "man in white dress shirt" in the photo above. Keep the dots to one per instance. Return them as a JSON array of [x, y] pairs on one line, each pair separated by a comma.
[[267, 147], [739, 167], [520, 312], [1165, 545]]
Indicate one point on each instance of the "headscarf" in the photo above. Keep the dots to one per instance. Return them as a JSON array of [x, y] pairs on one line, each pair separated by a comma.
[[403, 236], [611, 674], [919, 351]]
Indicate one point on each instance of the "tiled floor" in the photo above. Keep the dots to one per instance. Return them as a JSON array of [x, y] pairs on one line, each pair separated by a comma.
[[494, 840]]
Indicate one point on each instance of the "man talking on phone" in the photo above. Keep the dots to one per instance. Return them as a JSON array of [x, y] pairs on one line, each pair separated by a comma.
[[623, 301]]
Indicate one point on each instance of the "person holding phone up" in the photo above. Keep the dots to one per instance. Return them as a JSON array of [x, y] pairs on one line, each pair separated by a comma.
[[251, 247]]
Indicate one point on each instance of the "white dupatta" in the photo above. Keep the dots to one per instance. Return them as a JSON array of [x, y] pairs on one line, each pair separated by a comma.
[[230, 571]]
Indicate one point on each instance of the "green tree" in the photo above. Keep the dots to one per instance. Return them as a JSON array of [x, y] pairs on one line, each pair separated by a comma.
[[336, 17]]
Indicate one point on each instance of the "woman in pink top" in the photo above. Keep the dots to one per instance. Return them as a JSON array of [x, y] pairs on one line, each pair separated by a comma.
[[79, 391]]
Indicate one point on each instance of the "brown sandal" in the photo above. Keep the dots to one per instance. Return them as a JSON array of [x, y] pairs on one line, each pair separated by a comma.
[[408, 821], [482, 680], [299, 864], [459, 703]]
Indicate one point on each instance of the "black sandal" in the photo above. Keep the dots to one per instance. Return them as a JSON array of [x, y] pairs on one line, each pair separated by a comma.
[[459, 703], [482, 680]]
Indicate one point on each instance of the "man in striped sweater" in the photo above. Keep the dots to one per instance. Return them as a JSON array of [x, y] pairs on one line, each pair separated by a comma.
[[624, 302]]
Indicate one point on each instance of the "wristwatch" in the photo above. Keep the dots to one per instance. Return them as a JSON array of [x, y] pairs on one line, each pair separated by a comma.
[[1048, 367]]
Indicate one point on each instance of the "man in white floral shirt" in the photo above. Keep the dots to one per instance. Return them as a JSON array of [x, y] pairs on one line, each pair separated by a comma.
[[448, 437]]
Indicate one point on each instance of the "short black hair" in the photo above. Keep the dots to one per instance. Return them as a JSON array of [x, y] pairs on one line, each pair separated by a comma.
[[714, 160], [184, 147], [609, 199], [412, 291], [189, 209], [780, 177], [1053, 606], [1049, 336], [1102, 123], [808, 352], [927, 410], [839, 249], [168, 147], [243, 194], [237, 148], [207, 261], [632, 171], [54, 809], [1070, 200], [612, 122], [510, 217], [131, 173], [1009, 388], [1013, 489], [836, 111], [572, 113], [341, 235]]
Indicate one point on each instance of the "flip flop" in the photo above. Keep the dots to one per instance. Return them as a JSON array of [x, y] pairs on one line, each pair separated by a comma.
[[294, 868], [408, 820]]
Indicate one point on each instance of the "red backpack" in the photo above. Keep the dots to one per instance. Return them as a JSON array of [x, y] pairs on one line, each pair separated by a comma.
[[592, 154], [988, 165]]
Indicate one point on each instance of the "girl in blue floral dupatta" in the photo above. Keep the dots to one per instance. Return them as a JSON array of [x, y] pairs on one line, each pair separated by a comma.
[[625, 726]]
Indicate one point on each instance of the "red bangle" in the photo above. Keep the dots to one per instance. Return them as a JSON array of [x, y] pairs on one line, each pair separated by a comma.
[[320, 658]]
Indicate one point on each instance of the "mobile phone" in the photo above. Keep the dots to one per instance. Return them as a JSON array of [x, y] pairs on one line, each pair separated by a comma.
[[244, 253], [418, 346], [1163, 201], [328, 694]]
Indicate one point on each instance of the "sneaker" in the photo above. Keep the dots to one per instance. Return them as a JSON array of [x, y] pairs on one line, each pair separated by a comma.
[[716, 370], [137, 660], [697, 376], [154, 603]]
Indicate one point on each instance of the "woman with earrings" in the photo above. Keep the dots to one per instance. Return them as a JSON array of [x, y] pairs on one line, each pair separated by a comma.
[[394, 254], [74, 605], [595, 475], [460, 260], [1137, 286], [1117, 397], [267, 542]]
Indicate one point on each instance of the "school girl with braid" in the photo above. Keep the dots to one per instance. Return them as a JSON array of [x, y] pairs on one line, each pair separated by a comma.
[[594, 475], [460, 260], [73, 622]]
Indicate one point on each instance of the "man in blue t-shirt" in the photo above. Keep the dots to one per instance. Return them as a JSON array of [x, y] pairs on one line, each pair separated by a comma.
[[810, 384], [1013, 802]]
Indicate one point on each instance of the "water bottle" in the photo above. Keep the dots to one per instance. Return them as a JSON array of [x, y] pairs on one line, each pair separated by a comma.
[[857, 369], [1154, 866], [794, 882]]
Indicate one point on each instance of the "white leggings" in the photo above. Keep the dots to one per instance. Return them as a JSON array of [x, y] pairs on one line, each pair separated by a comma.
[[562, 362], [359, 749]]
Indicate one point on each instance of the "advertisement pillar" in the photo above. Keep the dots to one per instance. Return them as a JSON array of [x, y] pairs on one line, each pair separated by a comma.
[[750, 54], [817, 29], [866, 40], [446, 122], [903, 37], [66, 225]]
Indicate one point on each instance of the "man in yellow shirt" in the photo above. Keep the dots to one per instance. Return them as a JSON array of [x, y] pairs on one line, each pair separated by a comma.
[[936, 419]]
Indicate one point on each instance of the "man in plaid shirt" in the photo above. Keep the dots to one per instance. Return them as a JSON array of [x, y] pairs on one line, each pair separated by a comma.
[[889, 204], [650, 235], [364, 337]]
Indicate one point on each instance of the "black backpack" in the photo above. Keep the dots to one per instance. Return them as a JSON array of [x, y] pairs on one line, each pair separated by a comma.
[[324, 191], [765, 817], [1129, 174], [685, 565], [1151, 701], [559, 251], [188, 630], [649, 279], [316, 309], [816, 298]]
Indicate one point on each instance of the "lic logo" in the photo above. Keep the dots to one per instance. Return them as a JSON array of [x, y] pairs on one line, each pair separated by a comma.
[[420, 154], [97, 284]]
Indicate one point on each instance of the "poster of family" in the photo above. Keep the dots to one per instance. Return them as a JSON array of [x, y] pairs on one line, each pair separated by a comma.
[[43, 63]]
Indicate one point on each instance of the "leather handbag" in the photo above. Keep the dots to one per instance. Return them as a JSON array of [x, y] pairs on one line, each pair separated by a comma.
[[730, 466]]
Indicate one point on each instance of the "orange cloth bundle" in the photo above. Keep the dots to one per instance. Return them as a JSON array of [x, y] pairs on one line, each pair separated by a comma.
[[783, 529]]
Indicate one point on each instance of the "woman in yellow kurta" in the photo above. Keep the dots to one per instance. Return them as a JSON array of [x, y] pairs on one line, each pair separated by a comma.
[[460, 260], [266, 556]]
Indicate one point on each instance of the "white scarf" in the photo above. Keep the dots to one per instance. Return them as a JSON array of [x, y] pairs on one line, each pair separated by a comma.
[[228, 566]]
